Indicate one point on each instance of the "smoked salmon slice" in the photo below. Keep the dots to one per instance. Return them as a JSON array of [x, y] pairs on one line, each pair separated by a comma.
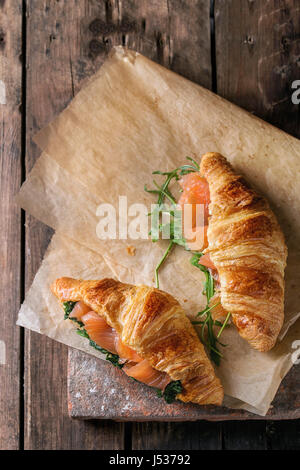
[[195, 192], [106, 337], [205, 260], [125, 352], [143, 372], [100, 332], [196, 238], [79, 310]]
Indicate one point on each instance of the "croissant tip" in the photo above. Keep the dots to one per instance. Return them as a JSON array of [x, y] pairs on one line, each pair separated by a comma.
[[219, 397], [264, 344], [209, 159], [54, 287], [212, 154]]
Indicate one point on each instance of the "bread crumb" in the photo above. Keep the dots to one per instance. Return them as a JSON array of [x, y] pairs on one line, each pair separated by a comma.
[[131, 250]]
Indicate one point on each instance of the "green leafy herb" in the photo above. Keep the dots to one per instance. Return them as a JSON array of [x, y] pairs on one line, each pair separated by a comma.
[[163, 190], [171, 231], [113, 358], [224, 325], [171, 391], [210, 340], [83, 333], [161, 261], [174, 235], [209, 289], [174, 227]]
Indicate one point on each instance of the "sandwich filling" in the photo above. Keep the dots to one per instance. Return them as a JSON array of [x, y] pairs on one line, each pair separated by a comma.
[[195, 191], [105, 339]]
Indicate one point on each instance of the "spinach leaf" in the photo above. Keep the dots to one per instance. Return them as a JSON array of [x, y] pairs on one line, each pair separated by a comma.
[[68, 307], [171, 391], [113, 358]]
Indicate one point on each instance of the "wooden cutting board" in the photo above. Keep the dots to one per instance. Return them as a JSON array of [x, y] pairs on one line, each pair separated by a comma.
[[97, 390]]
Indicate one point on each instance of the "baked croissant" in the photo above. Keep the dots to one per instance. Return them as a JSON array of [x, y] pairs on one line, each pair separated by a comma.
[[246, 245], [152, 328]]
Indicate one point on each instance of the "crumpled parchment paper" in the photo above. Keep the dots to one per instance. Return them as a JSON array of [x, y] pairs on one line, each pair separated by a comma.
[[132, 118]]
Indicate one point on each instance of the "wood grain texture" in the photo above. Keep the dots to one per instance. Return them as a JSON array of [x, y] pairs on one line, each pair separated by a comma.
[[144, 28], [10, 220], [283, 435], [54, 40], [201, 435], [245, 436], [89, 396], [67, 41], [258, 57], [174, 33]]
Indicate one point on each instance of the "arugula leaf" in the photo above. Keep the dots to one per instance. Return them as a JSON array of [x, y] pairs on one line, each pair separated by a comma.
[[223, 326], [82, 333], [172, 229], [209, 288], [212, 340], [163, 192], [159, 264]]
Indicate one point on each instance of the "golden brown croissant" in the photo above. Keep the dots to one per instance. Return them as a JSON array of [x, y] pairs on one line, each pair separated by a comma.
[[247, 247], [153, 324]]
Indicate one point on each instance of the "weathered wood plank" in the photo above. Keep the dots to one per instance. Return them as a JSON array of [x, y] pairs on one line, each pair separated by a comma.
[[284, 435], [91, 397], [180, 30], [177, 35], [54, 40], [257, 59], [200, 435], [10, 220], [258, 56], [248, 435], [174, 33]]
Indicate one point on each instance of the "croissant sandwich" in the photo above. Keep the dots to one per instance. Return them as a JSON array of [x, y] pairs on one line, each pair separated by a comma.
[[145, 332], [244, 249]]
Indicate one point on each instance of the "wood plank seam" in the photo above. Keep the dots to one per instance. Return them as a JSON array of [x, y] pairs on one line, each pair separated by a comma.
[[214, 84], [164, 53], [23, 234], [10, 146]]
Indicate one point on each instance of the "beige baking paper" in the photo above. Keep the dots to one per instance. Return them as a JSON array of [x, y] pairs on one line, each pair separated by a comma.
[[135, 117], [250, 378]]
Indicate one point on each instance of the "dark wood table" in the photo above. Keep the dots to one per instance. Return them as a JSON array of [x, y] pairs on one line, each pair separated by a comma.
[[245, 50]]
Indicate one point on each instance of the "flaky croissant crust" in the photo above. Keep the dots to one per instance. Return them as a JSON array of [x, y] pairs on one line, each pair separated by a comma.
[[247, 247], [152, 323]]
